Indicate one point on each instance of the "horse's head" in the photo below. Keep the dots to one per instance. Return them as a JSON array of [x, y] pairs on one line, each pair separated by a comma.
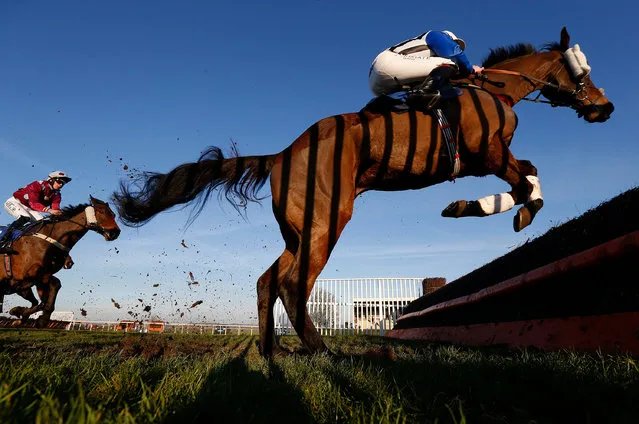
[[104, 222], [571, 85]]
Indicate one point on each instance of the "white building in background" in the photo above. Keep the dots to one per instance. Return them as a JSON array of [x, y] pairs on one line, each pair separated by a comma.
[[354, 305]]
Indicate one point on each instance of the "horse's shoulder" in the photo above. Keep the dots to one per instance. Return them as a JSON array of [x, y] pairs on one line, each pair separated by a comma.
[[482, 98]]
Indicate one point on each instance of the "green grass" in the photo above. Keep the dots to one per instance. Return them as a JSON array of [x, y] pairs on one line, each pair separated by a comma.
[[88, 377]]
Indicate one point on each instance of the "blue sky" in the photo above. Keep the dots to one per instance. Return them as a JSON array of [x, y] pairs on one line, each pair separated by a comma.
[[96, 87]]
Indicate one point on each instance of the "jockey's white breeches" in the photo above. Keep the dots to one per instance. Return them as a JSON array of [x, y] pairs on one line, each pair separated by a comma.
[[390, 71], [17, 209]]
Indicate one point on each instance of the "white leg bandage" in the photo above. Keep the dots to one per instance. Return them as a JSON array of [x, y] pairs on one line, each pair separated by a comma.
[[496, 203], [536, 192]]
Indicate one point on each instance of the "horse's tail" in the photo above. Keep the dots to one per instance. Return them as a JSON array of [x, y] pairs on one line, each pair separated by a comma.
[[152, 193]]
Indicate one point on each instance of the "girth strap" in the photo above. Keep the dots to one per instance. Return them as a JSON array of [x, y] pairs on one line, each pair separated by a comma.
[[7, 266], [52, 241], [451, 143]]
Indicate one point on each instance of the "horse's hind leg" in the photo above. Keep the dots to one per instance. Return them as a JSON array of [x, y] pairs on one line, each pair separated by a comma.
[[526, 189], [315, 241], [267, 291], [295, 290], [22, 312], [316, 244]]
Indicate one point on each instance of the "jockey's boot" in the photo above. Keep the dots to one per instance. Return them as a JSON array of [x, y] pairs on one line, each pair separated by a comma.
[[435, 88], [6, 236]]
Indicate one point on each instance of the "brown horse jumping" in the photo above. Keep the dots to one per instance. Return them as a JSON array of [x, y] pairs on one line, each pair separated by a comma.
[[44, 249], [315, 180]]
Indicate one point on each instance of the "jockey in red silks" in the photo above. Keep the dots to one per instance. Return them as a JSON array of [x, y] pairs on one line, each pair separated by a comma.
[[436, 55], [29, 203]]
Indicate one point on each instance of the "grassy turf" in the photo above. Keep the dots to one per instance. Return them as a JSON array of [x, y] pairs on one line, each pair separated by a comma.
[[87, 377]]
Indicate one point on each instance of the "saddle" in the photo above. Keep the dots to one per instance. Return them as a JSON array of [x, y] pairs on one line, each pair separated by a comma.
[[13, 234], [422, 97], [416, 100], [16, 233]]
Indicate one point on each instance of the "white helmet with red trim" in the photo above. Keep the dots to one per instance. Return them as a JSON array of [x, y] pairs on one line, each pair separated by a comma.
[[60, 175]]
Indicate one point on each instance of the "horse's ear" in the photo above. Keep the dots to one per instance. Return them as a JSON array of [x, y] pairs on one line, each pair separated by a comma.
[[565, 39]]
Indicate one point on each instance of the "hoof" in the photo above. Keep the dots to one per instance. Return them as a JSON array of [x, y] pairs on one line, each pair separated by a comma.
[[68, 263], [42, 322], [455, 209], [17, 311], [522, 219], [526, 214]]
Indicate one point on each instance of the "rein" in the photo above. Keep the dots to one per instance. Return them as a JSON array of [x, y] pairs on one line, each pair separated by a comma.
[[92, 224], [575, 92]]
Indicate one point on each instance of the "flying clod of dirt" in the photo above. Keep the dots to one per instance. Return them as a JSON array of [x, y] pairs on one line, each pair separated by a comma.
[[199, 302], [83, 312], [156, 285], [147, 308], [116, 304], [184, 244], [192, 279]]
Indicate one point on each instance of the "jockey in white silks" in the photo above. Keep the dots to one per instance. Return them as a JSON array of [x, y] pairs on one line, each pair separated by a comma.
[[409, 63]]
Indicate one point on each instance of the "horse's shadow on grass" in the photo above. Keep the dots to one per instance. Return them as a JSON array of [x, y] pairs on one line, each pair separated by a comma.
[[236, 394]]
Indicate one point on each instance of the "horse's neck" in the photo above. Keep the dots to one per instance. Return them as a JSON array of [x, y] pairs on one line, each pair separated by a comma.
[[68, 232], [539, 66]]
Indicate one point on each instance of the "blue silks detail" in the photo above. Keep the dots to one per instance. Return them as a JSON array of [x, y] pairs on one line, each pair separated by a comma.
[[444, 46], [14, 235]]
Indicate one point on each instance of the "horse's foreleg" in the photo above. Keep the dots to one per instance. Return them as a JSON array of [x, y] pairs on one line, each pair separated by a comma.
[[48, 292], [267, 291], [526, 189], [68, 262], [534, 202]]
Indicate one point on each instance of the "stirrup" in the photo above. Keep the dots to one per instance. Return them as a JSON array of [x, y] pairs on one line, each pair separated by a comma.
[[420, 99], [8, 250], [437, 96]]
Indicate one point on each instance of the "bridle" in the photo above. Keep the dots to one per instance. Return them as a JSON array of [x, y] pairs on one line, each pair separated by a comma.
[[578, 94], [92, 224]]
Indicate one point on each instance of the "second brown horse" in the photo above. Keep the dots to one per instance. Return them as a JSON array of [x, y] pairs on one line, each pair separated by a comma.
[[44, 249]]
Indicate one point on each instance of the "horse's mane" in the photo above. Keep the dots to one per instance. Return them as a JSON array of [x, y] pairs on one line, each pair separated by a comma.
[[500, 54], [516, 50], [71, 211], [552, 46]]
